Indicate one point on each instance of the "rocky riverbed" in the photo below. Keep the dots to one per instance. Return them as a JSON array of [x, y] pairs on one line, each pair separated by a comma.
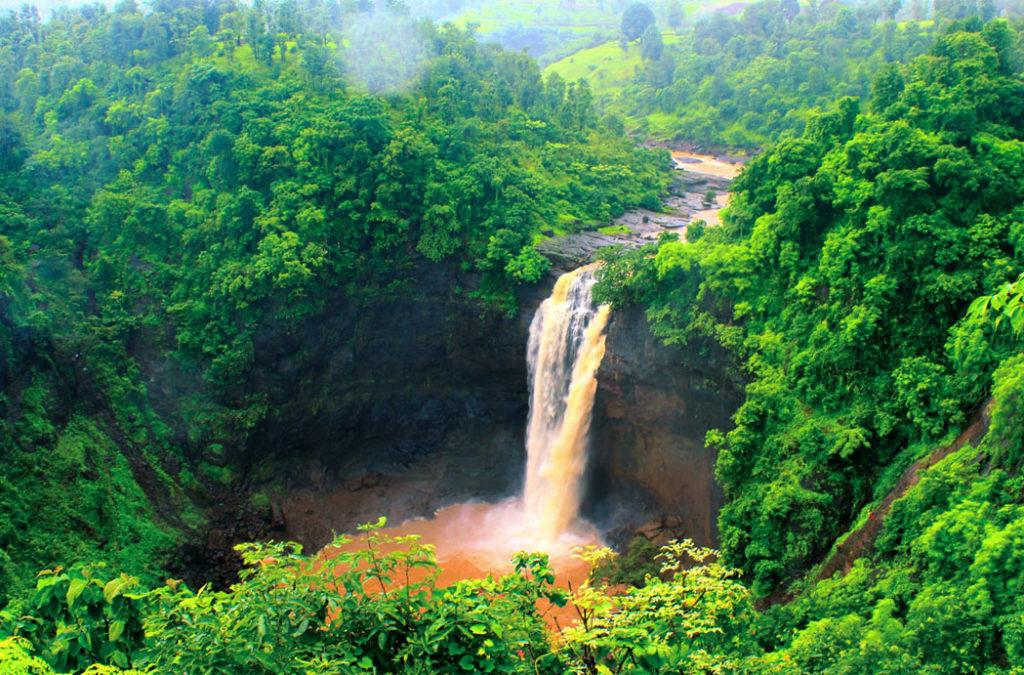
[[699, 192]]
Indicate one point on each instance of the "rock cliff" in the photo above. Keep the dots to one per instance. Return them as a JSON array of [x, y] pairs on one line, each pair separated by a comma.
[[650, 468], [394, 408], [407, 405]]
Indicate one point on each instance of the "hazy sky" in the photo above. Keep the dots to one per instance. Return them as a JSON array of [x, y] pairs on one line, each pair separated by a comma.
[[45, 6]]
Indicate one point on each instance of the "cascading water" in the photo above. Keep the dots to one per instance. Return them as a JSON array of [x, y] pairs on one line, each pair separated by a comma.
[[567, 344]]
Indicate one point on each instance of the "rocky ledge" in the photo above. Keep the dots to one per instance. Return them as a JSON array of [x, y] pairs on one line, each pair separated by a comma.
[[695, 195]]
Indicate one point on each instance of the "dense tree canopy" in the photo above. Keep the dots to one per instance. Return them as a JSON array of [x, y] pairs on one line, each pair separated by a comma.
[[865, 282], [174, 182], [743, 81], [849, 255], [177, 181]]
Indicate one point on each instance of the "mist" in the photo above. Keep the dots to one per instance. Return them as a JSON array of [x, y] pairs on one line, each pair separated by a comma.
[[384, 51]]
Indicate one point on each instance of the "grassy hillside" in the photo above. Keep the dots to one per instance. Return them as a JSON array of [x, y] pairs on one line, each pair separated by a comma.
[[610, 70], [547, 29], [608, 67], [744, 81], [578, 16], [554, 30]]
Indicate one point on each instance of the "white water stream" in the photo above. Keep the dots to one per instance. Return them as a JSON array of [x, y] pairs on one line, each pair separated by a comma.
[[567, 344]]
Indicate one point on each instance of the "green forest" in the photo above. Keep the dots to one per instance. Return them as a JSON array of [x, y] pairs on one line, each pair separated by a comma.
[[183, 179], [164, 190]]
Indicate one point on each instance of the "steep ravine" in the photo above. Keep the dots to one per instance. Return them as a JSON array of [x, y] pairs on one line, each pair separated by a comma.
[[394, 409], [409, 405]]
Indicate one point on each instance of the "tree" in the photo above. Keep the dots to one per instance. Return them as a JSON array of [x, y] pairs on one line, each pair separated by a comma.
[[219, 199], [887, 88], [675, 14], [12, 147], [362, 608], [635, 21], [1005, 306], [790, 9], [693, 617], [890, 8], [651, 45], [200, 44]]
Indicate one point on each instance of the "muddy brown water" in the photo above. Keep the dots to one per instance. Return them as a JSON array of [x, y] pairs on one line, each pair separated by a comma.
[[477, 540]]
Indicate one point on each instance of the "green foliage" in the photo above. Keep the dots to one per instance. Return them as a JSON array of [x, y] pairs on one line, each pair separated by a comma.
[[56, 487], [651, 45], [77, 618], [748, 80], [16, 657], [696, 619], [841, 281], [946, 575], [1006, 304], [177, 181], [862, 280], [637, 18], [546, 29], [374, 606], [369, 606], [633, 566]]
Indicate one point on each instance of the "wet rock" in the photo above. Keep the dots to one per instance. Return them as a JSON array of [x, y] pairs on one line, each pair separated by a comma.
[[396, 408], [370, 479], [574, 250], [660, 531], [406, 405], [277, 519], [653, 408]]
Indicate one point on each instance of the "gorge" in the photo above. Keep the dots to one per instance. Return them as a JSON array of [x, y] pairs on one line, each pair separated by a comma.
[[565, 349], [283, 283], [448, 407]]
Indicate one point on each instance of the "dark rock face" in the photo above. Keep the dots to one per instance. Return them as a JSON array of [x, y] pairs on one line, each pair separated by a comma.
[[653, 408], [396, 408], [408, 405]]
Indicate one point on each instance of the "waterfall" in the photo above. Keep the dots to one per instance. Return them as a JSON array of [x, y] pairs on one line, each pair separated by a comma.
[[567, 343], [473, 539]]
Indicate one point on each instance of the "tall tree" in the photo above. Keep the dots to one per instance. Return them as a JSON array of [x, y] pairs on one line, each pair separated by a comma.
[[635, 21], [790, 8], [651, 45], [675, 14]]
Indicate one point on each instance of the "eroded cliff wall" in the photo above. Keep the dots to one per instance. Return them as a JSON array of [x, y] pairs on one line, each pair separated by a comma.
[[395, 408], [403, 406], [655, 403]]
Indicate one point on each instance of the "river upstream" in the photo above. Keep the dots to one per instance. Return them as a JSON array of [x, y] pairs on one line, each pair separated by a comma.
[[699, 192]]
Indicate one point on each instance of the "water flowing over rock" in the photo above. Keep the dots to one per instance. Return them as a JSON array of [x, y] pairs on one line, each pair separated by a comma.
[[565, 349], [408, 405], [567, 344]]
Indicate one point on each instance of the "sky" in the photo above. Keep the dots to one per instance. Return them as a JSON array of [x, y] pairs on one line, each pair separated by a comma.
[[46, 6]]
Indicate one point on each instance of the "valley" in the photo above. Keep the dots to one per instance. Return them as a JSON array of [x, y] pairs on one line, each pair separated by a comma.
[[437, 336]]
